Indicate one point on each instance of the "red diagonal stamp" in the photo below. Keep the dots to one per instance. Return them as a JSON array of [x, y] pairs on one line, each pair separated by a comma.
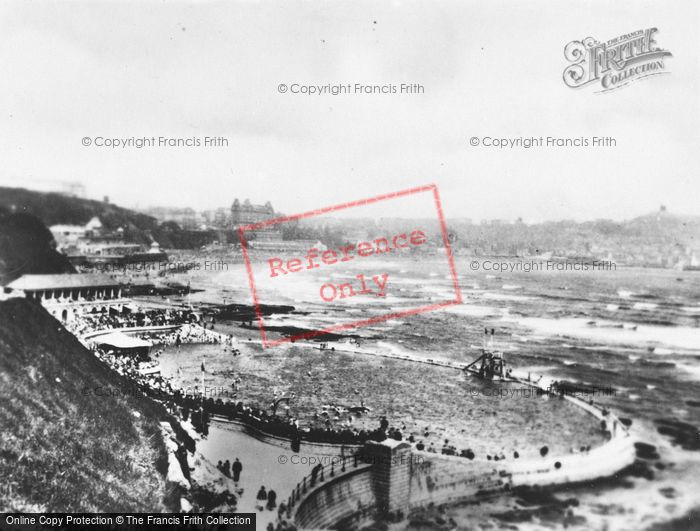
[[364, 274]]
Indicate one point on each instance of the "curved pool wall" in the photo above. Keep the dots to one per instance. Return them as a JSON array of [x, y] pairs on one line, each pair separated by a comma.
[[394, 478]]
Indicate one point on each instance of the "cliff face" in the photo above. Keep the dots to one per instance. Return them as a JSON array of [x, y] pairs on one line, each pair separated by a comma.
[[53, 208], [26, 246], [75, 437]]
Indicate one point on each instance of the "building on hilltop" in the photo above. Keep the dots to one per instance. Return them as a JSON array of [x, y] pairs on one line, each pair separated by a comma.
[[68, 236], [94, 227], [186, 218], [246, 213], [218, 219], [92, 243]]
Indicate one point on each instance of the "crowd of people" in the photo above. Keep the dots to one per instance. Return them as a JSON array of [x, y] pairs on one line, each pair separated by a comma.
[[94, 322], [149, 383], [199, 410], [191, 333]]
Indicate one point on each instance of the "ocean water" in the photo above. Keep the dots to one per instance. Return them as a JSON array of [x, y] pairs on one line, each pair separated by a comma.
[[636, 331]]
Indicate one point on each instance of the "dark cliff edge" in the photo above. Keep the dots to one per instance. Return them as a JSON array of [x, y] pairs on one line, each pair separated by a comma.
[[75, 437], [27, 246], [54, 208]]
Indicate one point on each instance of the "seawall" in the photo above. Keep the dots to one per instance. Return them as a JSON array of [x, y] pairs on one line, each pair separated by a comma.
[[400, 478]]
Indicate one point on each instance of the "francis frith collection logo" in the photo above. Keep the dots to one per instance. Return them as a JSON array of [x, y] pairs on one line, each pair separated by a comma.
[[615, 63]]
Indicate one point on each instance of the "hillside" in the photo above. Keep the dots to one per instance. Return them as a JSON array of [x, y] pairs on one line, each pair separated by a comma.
[[26, 246], [53, 209], [63, 448]]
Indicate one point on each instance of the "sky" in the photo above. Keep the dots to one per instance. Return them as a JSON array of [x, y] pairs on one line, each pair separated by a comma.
[[188, 70]]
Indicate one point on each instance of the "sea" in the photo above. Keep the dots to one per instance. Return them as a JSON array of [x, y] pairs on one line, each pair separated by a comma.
[[633, 332]]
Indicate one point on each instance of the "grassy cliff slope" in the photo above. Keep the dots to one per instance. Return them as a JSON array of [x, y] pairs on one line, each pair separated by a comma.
[[62, 448]]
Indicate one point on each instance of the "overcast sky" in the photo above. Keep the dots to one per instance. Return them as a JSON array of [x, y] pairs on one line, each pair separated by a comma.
[[490, 68]]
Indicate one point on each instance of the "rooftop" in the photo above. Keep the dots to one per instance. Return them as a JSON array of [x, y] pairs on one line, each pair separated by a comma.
[[121, 340], [65, 281]]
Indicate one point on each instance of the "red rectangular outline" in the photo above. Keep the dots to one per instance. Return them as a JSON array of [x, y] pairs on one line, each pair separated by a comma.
[[355, 324]]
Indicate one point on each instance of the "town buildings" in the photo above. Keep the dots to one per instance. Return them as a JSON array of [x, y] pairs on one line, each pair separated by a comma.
[[93, 243]]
